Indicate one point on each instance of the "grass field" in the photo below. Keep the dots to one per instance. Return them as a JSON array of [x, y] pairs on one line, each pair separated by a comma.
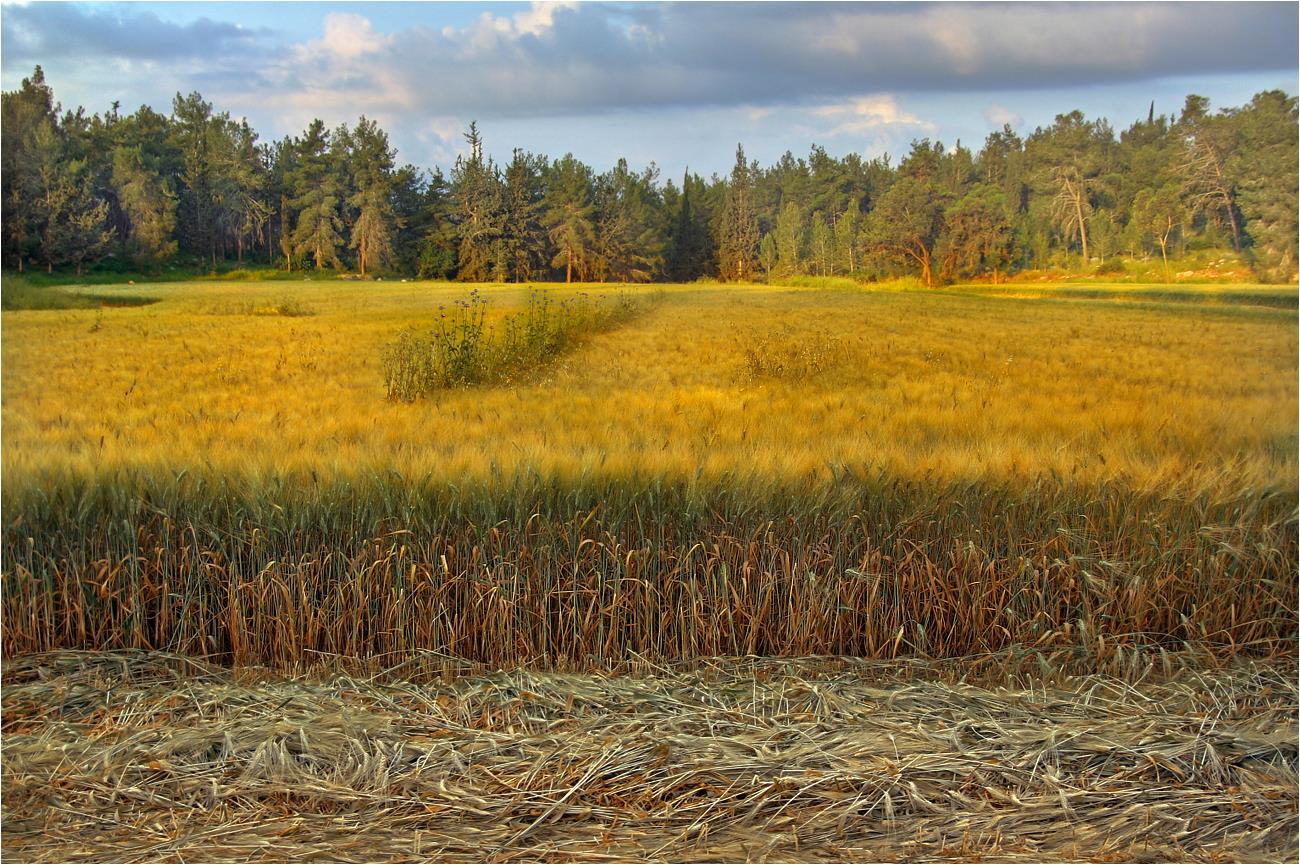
[[1055, 487]]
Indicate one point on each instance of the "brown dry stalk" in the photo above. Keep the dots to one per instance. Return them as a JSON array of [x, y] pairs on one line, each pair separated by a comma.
[[957, 575]]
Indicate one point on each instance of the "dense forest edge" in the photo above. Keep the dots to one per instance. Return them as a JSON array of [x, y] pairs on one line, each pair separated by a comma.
[[1203, 196]]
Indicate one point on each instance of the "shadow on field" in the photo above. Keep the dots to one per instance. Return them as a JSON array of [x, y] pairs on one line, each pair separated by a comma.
[[24, 296]]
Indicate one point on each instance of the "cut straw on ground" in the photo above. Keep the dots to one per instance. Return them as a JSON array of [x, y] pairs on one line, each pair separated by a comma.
[[143, 756]]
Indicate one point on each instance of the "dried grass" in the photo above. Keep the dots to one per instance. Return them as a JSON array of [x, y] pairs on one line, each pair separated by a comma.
[[136, 757]]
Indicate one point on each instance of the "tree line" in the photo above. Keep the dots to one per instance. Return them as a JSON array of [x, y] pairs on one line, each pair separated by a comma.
[[198, 188]]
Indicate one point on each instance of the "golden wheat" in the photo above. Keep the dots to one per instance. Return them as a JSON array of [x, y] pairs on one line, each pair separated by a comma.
[[954, 387]]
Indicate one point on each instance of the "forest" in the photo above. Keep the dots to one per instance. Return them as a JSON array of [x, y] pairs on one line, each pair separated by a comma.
[[198, 189]]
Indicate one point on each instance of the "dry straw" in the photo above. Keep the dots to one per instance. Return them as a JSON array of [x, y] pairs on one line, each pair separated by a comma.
[[591, 575], [137, 757]]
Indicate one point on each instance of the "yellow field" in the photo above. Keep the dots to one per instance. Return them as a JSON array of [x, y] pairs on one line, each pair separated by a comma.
[[947, 386]]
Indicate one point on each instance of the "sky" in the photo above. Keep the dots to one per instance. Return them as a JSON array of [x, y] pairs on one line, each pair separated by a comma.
[[677, 84]]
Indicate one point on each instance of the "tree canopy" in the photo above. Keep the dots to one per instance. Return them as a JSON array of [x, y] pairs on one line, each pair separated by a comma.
[[196, 188]]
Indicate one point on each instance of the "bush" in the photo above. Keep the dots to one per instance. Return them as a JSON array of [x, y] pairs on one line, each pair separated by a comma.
[[463, 350]]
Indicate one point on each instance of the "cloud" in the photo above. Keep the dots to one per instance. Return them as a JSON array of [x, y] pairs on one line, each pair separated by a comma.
[[867, 115], [999, 116], [854, 70], [42, 32], [565, 58], [349, 36]]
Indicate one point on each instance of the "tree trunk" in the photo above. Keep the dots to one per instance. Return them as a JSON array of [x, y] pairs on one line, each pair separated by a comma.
[[568, 270], [1083, 227], [1236, 229], [1164, 247]]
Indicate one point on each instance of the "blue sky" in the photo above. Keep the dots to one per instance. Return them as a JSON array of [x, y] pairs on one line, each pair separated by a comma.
[[678, 83]]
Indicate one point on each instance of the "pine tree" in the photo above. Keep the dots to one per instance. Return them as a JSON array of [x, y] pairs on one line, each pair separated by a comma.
[[369, 160], [317, 229], [480, 211], [906, 223], [790, 239], [79, 232], [629, 237], [523, 237], [149, 206], [689, 244], [1264, 167], [25, 115], [568, 216], [1072, 154], [977, 236], [738, 235], [821, 244]]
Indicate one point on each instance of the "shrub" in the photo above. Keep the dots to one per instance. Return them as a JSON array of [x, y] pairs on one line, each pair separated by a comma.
[[463, 350]]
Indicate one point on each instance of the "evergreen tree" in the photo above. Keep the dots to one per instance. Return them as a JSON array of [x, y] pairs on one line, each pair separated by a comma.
[[906, 223], [738, 234], [1072, 157], [977, 235], [78, 230], [1157, 215], [524, 237], [568, 217], [370, 159], [317, 227], [629, 236], [149, 206], [26, 115], [1264, 167], [1208, 143], [690, 252], [480, 211], [790, 239]]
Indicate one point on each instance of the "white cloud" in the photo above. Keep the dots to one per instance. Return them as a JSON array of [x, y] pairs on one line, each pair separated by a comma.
[[540, 17], [999, 116], [350, 36], [870, 114]]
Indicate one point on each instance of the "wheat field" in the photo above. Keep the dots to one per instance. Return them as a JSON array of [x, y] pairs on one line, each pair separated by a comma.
[[867, 575], [941, 386]]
